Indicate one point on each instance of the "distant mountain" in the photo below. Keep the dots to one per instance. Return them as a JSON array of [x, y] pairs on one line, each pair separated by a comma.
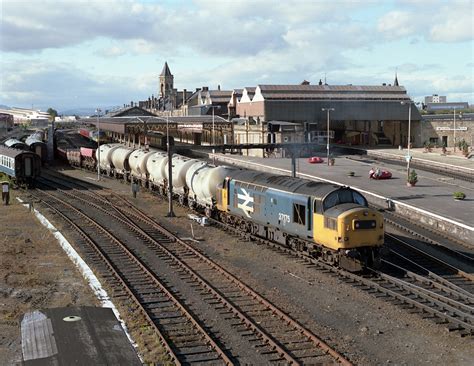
[[81, 111], [2, 106]]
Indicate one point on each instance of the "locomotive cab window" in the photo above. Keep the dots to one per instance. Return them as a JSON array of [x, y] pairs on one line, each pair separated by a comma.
[[299, 214], [343, 196]]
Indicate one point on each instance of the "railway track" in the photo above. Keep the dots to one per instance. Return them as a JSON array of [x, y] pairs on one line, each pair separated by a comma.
[[129, 279], [229, 319], [443, 300], [450, 245]]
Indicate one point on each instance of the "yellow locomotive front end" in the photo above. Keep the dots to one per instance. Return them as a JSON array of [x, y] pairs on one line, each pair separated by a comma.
[[345, 224]]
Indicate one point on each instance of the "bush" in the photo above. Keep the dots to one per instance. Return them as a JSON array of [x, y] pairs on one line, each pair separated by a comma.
[[412, 177], [459, 195]]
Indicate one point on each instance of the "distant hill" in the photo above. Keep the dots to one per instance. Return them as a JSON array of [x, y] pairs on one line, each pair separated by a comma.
[[81, 111], [77, 112], [2, 106]]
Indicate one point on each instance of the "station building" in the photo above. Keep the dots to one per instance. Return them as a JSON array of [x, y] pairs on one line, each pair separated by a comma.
[[366, 115], [448, 129]]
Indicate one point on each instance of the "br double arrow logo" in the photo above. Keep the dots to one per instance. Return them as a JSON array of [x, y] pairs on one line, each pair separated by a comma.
[[247, 205]]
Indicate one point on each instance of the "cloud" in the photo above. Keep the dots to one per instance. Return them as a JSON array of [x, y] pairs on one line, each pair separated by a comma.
[[455, 25], [209, 27], [434, 21], [62, 86], [397, 24], [113, 51]]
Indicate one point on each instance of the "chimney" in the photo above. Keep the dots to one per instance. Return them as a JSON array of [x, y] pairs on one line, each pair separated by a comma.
[[219, 87], [205, 88], [197, 89], [320, 82], [185, 96]]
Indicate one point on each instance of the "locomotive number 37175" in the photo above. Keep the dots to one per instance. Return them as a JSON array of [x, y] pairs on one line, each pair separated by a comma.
[[283, 218]]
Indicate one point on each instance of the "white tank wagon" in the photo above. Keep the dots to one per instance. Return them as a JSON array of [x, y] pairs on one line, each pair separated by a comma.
[[204, 182], [119, 158], [155, 167], [105, 161], [181, 165], [137, 161], [191, 179]]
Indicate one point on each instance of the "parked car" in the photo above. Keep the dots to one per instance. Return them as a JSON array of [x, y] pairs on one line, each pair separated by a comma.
[[315, 160], [379, 174]]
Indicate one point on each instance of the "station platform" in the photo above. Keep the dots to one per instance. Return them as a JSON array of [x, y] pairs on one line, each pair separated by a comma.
[[75, 336], [432, 195]]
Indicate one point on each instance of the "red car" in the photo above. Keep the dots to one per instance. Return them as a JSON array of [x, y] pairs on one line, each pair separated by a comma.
[[379, 174], [315, 160]]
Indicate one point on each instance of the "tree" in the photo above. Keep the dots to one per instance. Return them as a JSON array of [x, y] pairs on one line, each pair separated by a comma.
[[53, 113]]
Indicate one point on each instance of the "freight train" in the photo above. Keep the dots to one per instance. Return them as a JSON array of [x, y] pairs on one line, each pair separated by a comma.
[[325, 221], [22, 167]]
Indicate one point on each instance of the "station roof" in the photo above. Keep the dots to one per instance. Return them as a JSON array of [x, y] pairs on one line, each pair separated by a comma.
[[121, 124], [342, 92]]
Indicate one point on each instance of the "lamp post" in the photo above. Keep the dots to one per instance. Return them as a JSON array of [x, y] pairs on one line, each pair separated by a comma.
[[97, 111], [409, 136], [327, 147], [454, 128], [213, 121], [170, 170]]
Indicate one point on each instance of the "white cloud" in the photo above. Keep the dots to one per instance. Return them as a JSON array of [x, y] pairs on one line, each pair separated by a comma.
[[455, 25], [62, 85], [436, 21], [113, 51], [396, 24]]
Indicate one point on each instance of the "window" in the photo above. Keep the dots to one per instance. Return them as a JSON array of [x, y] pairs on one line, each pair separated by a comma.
[[330, 223], [343, 196], [299, 214], [433, 140]]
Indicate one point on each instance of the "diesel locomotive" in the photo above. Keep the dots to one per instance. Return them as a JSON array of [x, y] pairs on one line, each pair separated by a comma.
[[326, 221]]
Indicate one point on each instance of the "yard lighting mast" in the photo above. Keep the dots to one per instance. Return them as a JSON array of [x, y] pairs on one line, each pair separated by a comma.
[[170, 170], [408, 157], [454, 129], [327, 147], [97, 111]]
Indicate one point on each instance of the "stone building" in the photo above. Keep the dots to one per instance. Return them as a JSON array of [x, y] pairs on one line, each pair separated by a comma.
[[448, 129], [365, 115]]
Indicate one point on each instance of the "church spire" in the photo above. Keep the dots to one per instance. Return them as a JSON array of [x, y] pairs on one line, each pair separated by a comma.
[[395, 83], [166, 82], [166, 70]]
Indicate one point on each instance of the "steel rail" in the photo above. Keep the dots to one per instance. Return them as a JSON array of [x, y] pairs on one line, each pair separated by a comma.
[[468, 311], [257, 329], [117, 276], [155, 280], [316, 340], [432, 258], [436, 285]]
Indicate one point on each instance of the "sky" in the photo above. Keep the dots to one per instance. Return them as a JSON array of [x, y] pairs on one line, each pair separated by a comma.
[[68, 54]]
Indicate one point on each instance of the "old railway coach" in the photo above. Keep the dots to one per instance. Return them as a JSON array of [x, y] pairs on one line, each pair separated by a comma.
[[326, 221], [21, 166]]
